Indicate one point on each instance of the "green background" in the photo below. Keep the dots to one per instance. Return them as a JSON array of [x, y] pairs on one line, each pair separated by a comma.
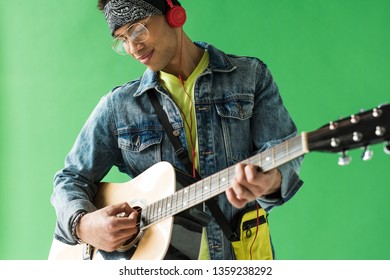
[[329, 58]]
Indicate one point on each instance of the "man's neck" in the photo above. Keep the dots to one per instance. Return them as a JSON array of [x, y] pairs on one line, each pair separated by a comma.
[[187, 58]]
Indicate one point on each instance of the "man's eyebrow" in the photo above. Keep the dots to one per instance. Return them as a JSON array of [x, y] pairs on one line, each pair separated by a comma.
[[117, 36], [131, 24]]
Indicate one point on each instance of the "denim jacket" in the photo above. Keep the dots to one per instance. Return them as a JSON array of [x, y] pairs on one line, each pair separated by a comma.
[[239, 112]]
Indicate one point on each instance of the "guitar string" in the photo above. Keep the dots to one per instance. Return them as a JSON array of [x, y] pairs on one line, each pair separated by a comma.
[[193, 199], [174, 207]]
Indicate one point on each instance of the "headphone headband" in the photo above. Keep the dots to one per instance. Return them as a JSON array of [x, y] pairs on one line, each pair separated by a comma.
[[170, 3]]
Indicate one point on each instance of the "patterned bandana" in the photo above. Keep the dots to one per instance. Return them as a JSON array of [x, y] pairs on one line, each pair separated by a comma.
[[120, 12]]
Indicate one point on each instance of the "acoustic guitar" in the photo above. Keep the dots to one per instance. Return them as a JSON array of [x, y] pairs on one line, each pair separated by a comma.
[[153, 193]]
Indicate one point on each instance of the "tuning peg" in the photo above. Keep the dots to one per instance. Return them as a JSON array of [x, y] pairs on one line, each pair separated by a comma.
[[367, 154], [386, 148], [344, 159]]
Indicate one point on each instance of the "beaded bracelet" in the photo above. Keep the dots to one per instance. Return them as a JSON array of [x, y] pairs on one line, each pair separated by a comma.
[[76, 221]]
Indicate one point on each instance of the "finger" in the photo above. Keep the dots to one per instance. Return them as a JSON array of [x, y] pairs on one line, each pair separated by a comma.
[[232, 198], [239, 173], [247, 174], [238, 190], [243, 182], [116, 238], [129, 222], [123, 235], [252, 173], [114, 210], [259, 183], [241, 190]]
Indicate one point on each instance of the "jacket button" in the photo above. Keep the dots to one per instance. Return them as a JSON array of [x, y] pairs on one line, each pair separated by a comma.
[[215, 246], [176, 132]]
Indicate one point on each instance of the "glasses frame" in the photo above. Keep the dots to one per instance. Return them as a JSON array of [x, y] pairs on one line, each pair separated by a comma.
[[123, 39]]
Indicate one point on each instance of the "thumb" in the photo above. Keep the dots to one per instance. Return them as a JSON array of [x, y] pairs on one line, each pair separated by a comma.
[[120, 208]]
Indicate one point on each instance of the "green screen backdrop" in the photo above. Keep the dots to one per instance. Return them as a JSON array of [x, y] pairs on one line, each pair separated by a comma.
[[329, 58]]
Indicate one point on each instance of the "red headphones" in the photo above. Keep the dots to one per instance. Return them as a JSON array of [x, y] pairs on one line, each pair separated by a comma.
[[176, 15]]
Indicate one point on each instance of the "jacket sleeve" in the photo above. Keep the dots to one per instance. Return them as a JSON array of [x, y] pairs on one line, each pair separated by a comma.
[[93, 154], [272, 124]]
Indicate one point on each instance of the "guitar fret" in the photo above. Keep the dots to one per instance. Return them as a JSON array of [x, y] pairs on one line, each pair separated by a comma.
[[226, 180], [214, 180], [159, 209], [182, 202], [156, 210], [208, 186], [194, 199], [222, 181], [203, 188], [177, 201], [173, 203], [190, 195], [273, 156], [194, 187], [185, 198], [152, 212], [199, 188], [167, 205]]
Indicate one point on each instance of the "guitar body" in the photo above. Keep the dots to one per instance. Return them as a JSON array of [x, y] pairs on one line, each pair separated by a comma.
[[156, 182]]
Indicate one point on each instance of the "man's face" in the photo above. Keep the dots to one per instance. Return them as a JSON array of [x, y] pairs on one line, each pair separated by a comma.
[[160, 50]]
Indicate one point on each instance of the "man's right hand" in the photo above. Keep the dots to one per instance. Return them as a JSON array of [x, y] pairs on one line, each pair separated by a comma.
[[108, 228]]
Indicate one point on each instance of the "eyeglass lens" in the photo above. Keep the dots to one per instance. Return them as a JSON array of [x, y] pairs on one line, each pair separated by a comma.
[[137, 33]]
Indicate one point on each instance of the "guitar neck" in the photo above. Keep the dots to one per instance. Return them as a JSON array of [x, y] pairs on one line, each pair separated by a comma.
[[219, 182]]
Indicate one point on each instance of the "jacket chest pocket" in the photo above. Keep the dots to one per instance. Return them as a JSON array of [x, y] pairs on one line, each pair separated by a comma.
[[235, 118], [140, 148], [237, 109]]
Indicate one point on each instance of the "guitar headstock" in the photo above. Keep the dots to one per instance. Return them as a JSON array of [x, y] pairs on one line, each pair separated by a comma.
[[359, 130]]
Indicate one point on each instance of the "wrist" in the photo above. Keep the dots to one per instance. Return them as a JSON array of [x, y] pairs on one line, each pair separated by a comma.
[[275, 191]]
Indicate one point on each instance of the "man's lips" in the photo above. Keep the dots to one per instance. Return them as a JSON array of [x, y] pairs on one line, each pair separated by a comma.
[[146, 57]]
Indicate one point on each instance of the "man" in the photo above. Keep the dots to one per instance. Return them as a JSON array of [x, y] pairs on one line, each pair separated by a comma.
[[225, 108]]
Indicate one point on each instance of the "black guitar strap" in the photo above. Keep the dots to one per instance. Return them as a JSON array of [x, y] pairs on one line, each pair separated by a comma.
[[182, 154]]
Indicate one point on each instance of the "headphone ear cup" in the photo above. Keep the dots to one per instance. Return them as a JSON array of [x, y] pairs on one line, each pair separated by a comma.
[[176, 16]]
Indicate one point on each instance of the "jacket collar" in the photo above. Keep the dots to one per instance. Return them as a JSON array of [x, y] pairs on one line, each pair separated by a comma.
[[219, 62], [148, 81]]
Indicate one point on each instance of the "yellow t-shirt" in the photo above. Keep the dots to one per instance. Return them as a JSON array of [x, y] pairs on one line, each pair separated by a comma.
[[183, 95]]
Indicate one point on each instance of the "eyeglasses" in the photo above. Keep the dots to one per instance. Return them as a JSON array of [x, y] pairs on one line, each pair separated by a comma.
[[136, 33]]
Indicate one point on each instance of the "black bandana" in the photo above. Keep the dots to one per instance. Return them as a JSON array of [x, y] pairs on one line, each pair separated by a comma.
[[120, 12]]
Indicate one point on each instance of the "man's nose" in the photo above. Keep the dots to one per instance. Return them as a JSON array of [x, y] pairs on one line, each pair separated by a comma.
[[134, 47]]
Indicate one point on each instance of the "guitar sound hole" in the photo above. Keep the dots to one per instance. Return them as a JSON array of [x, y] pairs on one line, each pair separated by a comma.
[[134, 238]]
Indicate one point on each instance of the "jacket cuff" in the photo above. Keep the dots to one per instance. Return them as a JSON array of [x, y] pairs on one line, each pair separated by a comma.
[[64, 231], [291, 183]]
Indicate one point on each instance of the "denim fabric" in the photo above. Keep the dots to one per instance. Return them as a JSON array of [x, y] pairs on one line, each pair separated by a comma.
[[239, 112]]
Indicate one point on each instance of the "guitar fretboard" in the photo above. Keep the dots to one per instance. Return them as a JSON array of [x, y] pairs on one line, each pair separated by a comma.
[[219, 182]]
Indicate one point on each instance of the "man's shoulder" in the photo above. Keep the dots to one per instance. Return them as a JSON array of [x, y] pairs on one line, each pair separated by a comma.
[[245, 59], [126, 90], [128, 87], [222, 58]]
